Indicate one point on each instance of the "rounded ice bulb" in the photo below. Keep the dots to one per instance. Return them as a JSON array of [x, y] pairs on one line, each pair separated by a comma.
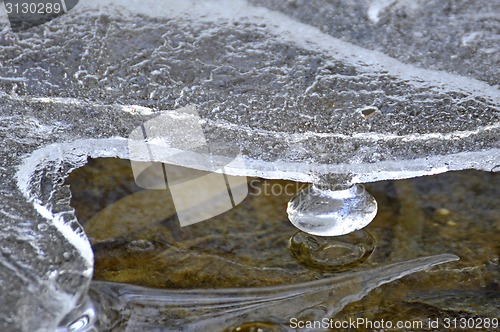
[[328, 212]]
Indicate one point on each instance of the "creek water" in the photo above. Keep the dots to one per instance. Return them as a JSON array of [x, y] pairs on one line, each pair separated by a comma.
[[137, 239]]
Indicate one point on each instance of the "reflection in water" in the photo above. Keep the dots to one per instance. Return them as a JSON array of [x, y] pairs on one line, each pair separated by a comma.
[[147, 309], [332, 212], [335, 254], [137, 240]]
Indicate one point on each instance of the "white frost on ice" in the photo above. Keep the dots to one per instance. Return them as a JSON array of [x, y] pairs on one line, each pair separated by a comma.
[[376, 7], [471, 38], [136, 109], [76, 153], [77, 240]]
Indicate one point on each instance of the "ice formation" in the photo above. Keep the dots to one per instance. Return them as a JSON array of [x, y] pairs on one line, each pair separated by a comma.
[[191, 310], [332, 212], [290, 85]]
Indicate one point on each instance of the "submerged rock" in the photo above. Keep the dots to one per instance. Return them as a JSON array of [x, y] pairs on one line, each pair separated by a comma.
[[482, 303]]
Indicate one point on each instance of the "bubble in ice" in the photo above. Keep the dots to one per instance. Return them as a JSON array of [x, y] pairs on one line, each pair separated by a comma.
[[327, 212]]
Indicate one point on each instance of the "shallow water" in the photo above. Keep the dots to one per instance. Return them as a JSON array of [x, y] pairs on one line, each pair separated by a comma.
[[137, 240]]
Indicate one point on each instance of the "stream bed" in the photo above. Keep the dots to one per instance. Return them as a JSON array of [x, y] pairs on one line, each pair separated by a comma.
[[137, 239]]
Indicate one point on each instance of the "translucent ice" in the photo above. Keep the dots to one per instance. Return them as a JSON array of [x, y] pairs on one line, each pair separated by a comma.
[[145, 309], [295, 99], [332, 212]]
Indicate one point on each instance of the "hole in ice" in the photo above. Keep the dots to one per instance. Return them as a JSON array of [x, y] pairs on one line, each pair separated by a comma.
[[248, 245], [369, 112], [137, 238]]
